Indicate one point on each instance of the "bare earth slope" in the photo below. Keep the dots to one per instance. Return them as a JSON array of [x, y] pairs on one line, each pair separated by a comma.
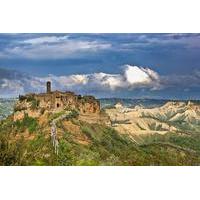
[[171, 117]]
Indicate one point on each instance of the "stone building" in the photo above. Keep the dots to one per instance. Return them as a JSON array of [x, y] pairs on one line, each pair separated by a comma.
[[57, 101]]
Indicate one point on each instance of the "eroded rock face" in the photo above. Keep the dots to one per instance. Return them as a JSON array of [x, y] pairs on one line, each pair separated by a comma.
[[88, 104], [159, 120], [19, 115], [36, 104]]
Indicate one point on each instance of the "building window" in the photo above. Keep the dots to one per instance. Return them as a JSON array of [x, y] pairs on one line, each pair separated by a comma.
[[58, 105]]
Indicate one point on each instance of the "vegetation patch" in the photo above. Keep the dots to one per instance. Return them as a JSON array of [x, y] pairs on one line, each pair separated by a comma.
[[56, 115], [34, 104], [72, 114], [28, 122]]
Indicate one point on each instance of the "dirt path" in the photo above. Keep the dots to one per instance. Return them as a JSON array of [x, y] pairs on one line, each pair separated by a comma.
[[54, 137]]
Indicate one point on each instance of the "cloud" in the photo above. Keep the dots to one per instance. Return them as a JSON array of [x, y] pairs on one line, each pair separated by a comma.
[[130, 78], [181, 81], [139, 75], [12, 82], [165, 41], [58, 46], [52, 47], [45, 39]]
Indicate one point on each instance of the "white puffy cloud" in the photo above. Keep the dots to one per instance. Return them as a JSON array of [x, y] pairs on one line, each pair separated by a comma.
[[139, 75], [136, 75], [131, 77]]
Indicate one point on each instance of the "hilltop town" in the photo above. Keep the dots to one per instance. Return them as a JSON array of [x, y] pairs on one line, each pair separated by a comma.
[[34, 105]]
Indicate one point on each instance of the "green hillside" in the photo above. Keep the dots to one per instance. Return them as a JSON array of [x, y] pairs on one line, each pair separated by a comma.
[[28, 143]]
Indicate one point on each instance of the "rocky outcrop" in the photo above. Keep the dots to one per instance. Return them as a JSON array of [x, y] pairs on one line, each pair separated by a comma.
[[36, 104]]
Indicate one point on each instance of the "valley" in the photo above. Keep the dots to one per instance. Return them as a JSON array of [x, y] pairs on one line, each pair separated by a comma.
[[6, 106]]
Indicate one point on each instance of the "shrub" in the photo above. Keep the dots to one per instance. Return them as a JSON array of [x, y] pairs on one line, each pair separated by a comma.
[[72, 114], [18, 109], [27, 122], [30, 98], [34, 104]]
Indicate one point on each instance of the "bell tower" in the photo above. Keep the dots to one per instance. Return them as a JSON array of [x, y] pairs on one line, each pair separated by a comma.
[[48, 87]]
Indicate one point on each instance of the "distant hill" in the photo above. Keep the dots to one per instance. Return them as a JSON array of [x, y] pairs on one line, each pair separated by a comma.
[[148, 103], [182, 117]]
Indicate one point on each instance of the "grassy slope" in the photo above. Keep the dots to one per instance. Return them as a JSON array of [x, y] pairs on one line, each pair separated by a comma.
[[106, 147]]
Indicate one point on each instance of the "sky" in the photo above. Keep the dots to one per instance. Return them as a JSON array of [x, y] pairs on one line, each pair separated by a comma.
[[160, 66]]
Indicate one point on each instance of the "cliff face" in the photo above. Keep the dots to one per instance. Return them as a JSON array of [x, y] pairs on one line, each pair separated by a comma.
[[88, 104], [26, 107], [36, 104]]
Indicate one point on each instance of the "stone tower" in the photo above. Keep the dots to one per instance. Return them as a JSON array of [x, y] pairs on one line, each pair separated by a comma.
[[48, 86]]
